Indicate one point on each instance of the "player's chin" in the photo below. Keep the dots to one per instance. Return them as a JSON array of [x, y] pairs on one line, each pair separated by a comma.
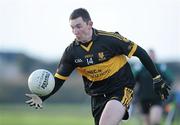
[[78, 38]]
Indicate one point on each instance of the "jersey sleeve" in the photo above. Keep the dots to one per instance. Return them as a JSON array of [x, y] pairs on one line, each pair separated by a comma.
[[122, 45], [66, 65]]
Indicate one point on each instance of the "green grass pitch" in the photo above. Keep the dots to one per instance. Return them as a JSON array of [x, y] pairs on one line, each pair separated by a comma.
[[59, 114]]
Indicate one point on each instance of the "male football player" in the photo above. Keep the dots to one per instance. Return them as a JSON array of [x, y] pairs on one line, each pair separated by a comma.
[[101, 59]]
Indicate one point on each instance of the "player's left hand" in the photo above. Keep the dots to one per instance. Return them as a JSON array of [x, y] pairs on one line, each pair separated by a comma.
[[160, 87], [35, 101]]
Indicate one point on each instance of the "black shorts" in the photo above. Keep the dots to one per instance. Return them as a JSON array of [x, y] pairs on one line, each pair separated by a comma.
[[124, 95], [147, 104]]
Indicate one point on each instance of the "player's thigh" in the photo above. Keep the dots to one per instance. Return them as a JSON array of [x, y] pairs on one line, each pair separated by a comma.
[[112, 113]]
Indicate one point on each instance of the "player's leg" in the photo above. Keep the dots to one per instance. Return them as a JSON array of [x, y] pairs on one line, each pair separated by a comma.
[[116, 108], [112, 113], [156, 114]]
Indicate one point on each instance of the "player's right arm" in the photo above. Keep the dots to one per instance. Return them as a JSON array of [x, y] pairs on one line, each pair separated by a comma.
[[160, 86], [65, 67], [36, 101]]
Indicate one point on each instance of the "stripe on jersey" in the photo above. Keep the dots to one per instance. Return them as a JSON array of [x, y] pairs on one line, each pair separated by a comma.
[[127, 98], [60, 76], [118, 36], [103, 70], [132, 50], [111, 34]]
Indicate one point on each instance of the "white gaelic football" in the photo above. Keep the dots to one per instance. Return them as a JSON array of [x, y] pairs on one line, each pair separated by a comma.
[[41, 82]]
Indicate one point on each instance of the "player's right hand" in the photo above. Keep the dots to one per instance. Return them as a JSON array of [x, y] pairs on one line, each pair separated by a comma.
[[35, 101]]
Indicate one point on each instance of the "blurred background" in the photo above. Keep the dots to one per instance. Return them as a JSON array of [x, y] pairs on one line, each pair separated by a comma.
[[34, 34]]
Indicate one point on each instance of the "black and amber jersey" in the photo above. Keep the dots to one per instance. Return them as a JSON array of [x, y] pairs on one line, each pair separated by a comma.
[[102, 62]]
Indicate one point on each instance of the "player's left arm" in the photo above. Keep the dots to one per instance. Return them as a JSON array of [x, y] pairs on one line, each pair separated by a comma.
[[160, 87], [122, 45]]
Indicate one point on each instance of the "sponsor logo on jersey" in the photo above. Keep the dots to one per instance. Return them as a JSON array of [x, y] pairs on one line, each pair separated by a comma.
[[88, 56], [78, 60]]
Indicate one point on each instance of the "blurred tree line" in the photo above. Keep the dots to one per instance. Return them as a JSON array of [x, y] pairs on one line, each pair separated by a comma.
[[16, 67]]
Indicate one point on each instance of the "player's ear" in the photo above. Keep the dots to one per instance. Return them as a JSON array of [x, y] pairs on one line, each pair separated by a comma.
[[90, 23]]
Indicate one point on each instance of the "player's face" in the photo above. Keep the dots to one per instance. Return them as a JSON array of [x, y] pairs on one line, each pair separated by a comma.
[[81, 29]]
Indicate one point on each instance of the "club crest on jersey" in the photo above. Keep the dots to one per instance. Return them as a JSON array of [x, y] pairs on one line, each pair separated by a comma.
[[101, 56]]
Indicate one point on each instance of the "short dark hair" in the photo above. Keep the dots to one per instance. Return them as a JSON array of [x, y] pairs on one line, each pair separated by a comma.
[[80, 12]]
